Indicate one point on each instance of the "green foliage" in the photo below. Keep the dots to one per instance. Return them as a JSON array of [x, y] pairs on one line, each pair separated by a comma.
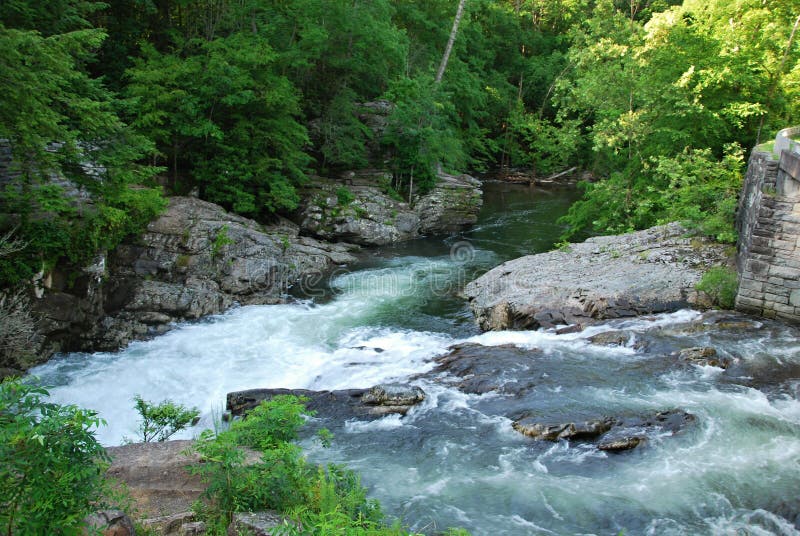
[[721, 285], [325, 501], [421, 133], [160, 421], [344, 196], [221, 239], [692, 187], [60, 121], [51, 466], [219, 112]]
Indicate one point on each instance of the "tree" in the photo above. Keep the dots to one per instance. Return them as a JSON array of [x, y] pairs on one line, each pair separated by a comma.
[[52, 469], [452, 39], [161, 421]]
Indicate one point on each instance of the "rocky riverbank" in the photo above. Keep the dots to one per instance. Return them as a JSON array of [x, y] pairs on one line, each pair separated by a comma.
[[196, 259], [645, 272]]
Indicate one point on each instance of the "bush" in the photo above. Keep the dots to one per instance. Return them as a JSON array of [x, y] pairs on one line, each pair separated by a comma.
[[161, 421], [51, 466], [721, 285], [324, 500]]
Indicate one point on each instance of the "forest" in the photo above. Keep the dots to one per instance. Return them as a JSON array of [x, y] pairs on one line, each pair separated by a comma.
[[245, 100]]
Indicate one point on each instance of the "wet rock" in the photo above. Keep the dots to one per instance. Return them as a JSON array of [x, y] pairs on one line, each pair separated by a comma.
[[478, 369], [258, 523], [617, 338], [110, 523], [568, 431], [703, 356], [346, 404], [622, 444], [714, 321], [393, 395], [645, 272], [614, 434]]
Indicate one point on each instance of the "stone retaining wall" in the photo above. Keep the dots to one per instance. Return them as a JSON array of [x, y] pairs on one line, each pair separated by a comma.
[[768, 222]]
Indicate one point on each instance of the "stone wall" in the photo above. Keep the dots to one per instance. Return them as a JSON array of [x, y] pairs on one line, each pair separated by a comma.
[[768, 222]]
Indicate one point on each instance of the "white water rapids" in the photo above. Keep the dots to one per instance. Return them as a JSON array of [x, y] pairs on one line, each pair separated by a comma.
[[455, 460]]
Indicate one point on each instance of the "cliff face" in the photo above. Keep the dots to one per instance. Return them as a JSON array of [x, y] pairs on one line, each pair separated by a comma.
[[194, 260]]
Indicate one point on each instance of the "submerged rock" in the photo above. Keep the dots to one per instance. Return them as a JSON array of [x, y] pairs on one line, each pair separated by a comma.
[[650, 271], [345, 404], [478, 369]]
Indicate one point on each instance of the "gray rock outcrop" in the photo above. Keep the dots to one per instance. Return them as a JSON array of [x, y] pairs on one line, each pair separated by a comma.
[[196, 259], [357, 209], [650, 271]]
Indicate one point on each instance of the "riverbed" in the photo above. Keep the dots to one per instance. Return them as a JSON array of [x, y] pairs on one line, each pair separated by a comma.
[[455, 460]]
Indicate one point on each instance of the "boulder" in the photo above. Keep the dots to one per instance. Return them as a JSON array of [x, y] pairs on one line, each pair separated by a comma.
[[110, 523], [617, 338], [356, 208], [157, 478], [703, 356], [346, 404], [568, 431], [257, 523], [650, 271]]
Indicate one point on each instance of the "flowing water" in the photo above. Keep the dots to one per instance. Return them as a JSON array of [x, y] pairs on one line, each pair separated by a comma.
[[455, 459]]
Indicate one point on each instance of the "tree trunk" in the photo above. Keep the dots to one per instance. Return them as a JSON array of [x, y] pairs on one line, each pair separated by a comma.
[[449, 47]]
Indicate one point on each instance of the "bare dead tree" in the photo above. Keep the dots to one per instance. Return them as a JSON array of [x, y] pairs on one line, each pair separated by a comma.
[[17, 325], [449, 48]]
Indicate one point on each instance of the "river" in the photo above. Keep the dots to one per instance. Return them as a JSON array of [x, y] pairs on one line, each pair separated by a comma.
[[455, 459]]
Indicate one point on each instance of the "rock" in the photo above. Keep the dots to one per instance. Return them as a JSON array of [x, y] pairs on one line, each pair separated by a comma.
[[703, 356], [619, 445], [478, 369], [370, 403], [568, 431], [193, 529], [156, 476], [615, 434], [196, 259], [452, 205], [617, 338], [650, 271], [257, 523], [110, 523], [169, 524], [356, 209], [393, 395]]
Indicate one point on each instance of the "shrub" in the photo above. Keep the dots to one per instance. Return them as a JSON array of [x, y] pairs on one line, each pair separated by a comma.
[[344, 196], [721, 285], [51, 466], [160, 421]]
